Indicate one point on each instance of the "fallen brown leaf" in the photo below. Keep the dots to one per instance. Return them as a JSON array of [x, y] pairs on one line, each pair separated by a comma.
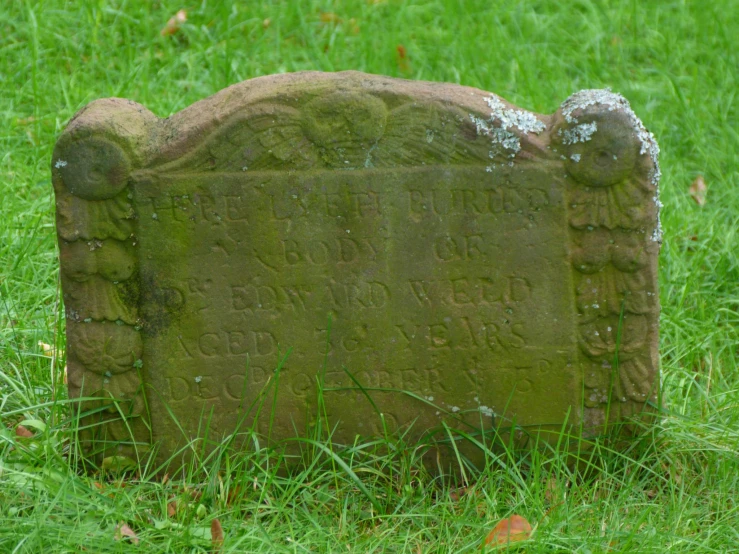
[[23, 432], [512, 529], [698, 190], [403, 64], [194, 494], [551, 489], [172, 508], [456, 494], [165, 479], [173, 25], [216, 535], [235, 495], [330, 17], [124, 531]]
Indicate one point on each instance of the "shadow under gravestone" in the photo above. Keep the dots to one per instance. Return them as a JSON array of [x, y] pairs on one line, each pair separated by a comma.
[[479, 264]]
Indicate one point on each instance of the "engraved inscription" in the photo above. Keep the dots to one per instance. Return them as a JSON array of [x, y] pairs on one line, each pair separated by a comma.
[[373, 281]]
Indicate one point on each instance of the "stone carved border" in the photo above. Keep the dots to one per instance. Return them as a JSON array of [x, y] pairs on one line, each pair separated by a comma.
[[96, 226], [276, 122], [613, 196]]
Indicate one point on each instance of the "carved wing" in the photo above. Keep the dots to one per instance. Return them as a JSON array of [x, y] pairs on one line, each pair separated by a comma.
[[267, 136], [430, 133]]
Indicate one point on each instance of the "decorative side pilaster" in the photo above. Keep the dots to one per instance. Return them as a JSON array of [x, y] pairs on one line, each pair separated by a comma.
[[613, 204], [96, 226]]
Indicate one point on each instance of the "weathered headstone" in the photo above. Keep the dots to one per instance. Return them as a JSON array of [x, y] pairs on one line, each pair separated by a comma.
[[464, 260]]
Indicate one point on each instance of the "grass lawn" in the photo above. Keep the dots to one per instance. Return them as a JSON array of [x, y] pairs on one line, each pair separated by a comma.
[[676, 61]]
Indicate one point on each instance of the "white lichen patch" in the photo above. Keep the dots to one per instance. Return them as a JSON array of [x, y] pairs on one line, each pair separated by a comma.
[[60, 164], [484, 410], [526, 122], [502, 123], [613, 101], [575, 157], [579, 133]]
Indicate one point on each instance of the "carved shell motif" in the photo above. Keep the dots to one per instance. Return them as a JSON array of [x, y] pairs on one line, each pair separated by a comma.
[[105, 348]]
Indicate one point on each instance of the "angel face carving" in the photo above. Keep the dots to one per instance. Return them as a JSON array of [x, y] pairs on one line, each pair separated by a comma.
[[345, 126]]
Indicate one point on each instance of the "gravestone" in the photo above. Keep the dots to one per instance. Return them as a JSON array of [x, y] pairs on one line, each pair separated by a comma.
[[458, 260]]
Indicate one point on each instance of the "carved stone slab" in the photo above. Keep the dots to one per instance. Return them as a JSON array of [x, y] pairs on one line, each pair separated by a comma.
[[465, 261]]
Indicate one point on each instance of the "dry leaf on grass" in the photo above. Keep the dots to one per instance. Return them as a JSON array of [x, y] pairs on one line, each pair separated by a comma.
[[330, 17], [698, 191], [509, 530], [124, 531], [216, 535], [50, 351], [23, 432], [172, 508], [173, 25], [403, 61], [456, 494]]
